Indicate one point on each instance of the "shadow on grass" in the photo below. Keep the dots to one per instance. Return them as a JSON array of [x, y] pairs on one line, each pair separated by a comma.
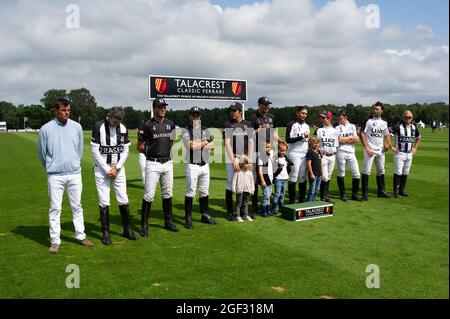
[[135, 183], [40, 234]]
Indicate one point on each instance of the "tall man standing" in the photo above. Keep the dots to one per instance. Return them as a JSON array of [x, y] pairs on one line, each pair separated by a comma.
[[60, 151], [329, 141], [155, 139], [239, 140], [110, 146], [348, 137], [297, 137], [407, 141], [373, 132], [198, 142], [262, 122]]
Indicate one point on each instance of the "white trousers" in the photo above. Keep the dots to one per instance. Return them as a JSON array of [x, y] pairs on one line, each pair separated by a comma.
[[402, 163], [103, 184], [230, 173], [142, 163], [327, 167], [379, 158], [348, 159], [155, 172], [197, 175], [298, 171], [56, 186]]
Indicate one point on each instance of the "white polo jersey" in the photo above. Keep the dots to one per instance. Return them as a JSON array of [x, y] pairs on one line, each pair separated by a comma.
[[329, 141], [295, 136], [346, 131], [376, 129]]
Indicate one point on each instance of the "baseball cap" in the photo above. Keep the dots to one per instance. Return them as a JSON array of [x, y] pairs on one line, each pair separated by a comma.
[[264, 100], [195, 109], [236, 106], [341, 111], [326, 114], [159, 102]]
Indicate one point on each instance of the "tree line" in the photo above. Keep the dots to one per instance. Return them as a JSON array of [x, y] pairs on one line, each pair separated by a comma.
[[84, 109]]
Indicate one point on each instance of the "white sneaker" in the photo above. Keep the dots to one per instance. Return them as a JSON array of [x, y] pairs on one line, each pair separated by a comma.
[[239, 219], [249, 218]]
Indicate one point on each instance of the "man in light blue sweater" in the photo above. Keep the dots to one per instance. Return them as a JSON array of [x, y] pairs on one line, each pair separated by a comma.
[[60, 152]]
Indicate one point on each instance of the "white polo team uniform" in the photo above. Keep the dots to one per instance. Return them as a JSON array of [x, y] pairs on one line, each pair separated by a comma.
[[110, 148], [197, 162], [298, 147], [375, 129], [405, 137], [345, 155], [329, 142]]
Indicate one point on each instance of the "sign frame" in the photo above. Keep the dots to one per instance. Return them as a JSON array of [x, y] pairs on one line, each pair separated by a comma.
[[190, 77]]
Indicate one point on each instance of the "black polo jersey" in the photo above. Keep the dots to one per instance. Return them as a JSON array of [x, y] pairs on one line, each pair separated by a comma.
[[158, 137], [405, 136], [257, 121], [196, 135], [240, 133]]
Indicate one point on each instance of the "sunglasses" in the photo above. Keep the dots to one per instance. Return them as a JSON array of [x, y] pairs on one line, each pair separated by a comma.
[[408, 117]]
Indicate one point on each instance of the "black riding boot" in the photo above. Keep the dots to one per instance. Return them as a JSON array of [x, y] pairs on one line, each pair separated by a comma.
[[341, 185], [104, 219], [381, 187], [291, 192], [229, 204], [403, 180], [326, 188], [355, 190], [126, 222], [396, 181], [145, 213], [365, 187], [167, 208], [204, 210], [188, 212], [301, 192]]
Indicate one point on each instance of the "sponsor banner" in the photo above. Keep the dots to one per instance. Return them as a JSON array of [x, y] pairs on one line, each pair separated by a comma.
[[187, 88], [307, 211]]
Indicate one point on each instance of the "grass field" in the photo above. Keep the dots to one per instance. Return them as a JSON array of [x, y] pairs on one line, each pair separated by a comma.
[[407, 238]]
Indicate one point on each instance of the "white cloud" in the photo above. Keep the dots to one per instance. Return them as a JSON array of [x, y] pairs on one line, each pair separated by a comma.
[[286, 49]]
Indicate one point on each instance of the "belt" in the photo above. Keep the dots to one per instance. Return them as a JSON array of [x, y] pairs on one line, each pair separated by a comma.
[[159, 160], [330, 154], [200, 164]]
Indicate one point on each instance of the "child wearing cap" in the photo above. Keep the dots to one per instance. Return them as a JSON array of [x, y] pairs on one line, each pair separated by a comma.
[[243, 186], [281, 176]]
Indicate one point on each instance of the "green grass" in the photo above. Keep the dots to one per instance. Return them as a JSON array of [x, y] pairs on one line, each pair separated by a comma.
[[407, 238]]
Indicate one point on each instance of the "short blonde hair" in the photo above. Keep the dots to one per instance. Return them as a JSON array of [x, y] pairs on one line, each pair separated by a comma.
[[313, 140]]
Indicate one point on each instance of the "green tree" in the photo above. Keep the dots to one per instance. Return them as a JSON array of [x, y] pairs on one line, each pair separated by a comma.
[[83, 107], [51, 96]]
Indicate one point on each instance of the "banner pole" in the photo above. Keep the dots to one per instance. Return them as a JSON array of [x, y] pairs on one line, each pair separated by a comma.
[[151, 108], [243, 110]]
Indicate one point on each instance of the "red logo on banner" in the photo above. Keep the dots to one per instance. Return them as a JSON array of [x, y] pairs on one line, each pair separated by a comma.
[[236, 88], [160, 85]]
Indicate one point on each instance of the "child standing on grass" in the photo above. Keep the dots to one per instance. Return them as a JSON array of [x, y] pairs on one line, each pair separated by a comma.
[[314, 164], [281, 176], [243, 186], [265, 178]]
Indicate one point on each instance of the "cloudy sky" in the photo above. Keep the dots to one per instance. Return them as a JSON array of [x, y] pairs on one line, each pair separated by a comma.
[[293, 51]]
